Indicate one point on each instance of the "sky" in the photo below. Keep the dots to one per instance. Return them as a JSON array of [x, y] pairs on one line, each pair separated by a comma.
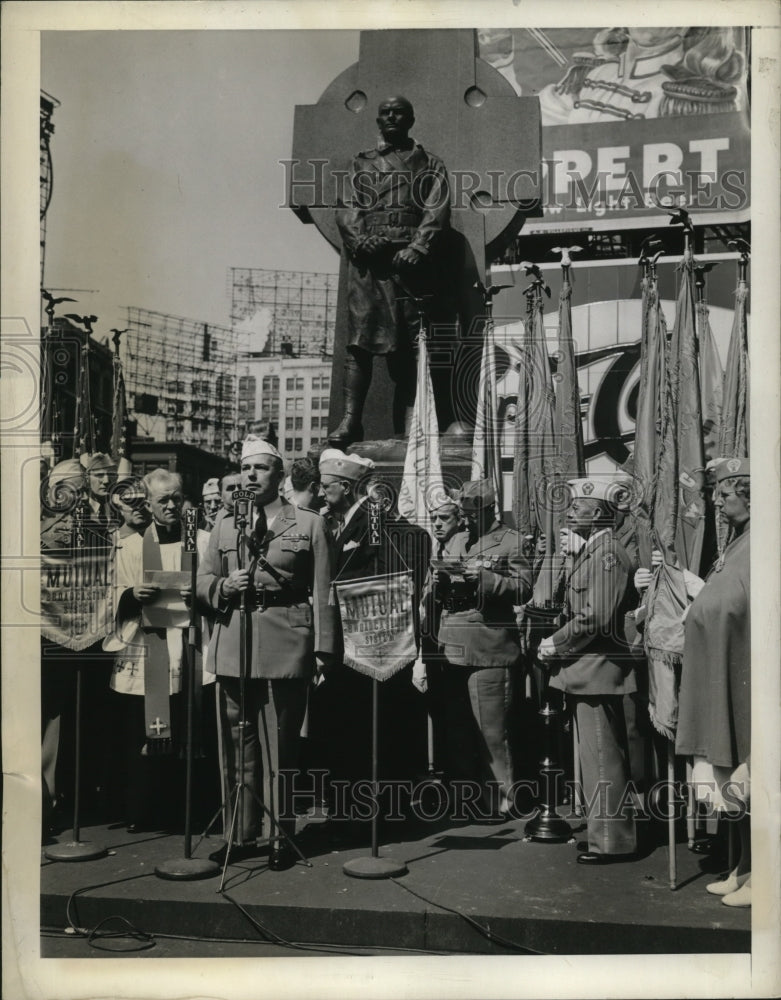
[[166, 163]]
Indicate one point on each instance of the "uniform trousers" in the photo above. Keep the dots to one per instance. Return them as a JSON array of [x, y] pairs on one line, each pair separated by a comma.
[[275, 710], [477, 705], [604, 765]]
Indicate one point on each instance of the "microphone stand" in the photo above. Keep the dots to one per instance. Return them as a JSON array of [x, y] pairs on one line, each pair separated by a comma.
[[76, 849], [189, 868], [242, 500], [375, 867]]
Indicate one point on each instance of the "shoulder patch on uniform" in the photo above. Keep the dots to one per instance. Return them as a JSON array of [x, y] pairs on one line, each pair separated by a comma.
[[609, 560]]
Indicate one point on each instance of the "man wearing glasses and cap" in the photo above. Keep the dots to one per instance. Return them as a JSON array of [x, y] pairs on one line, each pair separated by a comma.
[[479, 637], [590, 661], [289, 638]]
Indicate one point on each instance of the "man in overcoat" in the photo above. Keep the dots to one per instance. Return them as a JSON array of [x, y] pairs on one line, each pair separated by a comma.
[[397, 207], [590, 661], [289, 636], [480, 640]]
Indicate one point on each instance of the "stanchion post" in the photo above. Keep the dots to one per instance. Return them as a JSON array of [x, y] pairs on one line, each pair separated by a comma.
[[189, 868], [76, 849]]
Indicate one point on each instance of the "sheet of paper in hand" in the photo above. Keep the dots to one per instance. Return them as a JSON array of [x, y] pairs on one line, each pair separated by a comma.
[[168, 609]]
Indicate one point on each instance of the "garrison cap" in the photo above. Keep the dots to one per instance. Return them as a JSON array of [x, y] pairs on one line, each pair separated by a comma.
[[729, 468], [477, 495], [334, 462]]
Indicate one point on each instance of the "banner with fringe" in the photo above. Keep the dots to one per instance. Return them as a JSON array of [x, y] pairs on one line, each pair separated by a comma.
[[77, 584], [377, 623]]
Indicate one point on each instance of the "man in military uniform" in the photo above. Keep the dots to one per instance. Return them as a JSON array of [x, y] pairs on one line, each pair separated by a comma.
[[288, 561], [479, 638], [101, 474], [397, 210], [590, 662], [343, 701]]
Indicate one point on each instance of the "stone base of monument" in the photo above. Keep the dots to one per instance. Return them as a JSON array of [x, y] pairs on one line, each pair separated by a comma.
[[455, 449]]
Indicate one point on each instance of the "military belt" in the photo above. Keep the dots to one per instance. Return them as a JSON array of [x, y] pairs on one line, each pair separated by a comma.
[[374, 220], [459, 604], [263, 597]]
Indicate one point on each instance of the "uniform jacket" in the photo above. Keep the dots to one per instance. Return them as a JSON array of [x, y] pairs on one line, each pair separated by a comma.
[[487, 635], [412, 183], [283, 640], [404, 196], [593, 657]]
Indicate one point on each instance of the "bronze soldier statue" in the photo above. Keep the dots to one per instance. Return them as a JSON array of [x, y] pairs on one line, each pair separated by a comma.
[[391, 227]]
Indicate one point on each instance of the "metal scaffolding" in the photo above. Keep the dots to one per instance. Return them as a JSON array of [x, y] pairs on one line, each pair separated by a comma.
[[182, 378], [277, 307]]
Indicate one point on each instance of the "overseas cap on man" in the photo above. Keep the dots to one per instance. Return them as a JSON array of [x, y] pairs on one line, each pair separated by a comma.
[[729, 468], [65, 478], [607, 490], [334, 462], [254, 445], [477, 495], [211, 488], [97, 461], [444, 501]]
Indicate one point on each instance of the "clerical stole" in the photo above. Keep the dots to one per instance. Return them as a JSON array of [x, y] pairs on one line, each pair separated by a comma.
[[157, 665]]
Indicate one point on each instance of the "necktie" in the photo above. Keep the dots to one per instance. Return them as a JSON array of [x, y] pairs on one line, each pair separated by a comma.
[[259, 532]]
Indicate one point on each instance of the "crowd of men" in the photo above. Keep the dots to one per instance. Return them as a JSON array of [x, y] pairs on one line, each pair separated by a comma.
[[300, 720]]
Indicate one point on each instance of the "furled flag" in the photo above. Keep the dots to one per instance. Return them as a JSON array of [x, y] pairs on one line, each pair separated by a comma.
[[711, 379], [486, 443], [734, 437], [422, 488], [680, 495], [119, 418], [534, 458], [648, 423], [567, 422]]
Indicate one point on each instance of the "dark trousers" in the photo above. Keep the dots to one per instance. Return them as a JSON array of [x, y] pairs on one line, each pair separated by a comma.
[[604, 763], [274, 712], [477, 708]]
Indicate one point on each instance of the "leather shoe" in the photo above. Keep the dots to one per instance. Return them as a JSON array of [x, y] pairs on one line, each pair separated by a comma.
[[282, 858], [593, 859]]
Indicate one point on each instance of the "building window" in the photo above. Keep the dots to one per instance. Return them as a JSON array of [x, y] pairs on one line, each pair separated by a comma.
[[299, 445], [315, 422], [326, 383], [324, 402], [288, 444], [315, 381], [300, 383], [299, 402], [316, 404], [288, 423], [290, 403], [290, 384], [299, 423]]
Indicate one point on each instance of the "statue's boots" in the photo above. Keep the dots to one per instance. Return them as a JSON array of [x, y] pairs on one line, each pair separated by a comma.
[[357, 379]]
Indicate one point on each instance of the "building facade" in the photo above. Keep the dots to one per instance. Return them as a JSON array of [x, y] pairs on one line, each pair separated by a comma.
[[292, 394]]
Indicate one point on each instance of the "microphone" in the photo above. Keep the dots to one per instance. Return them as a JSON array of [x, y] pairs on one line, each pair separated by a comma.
[[242, 501]]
